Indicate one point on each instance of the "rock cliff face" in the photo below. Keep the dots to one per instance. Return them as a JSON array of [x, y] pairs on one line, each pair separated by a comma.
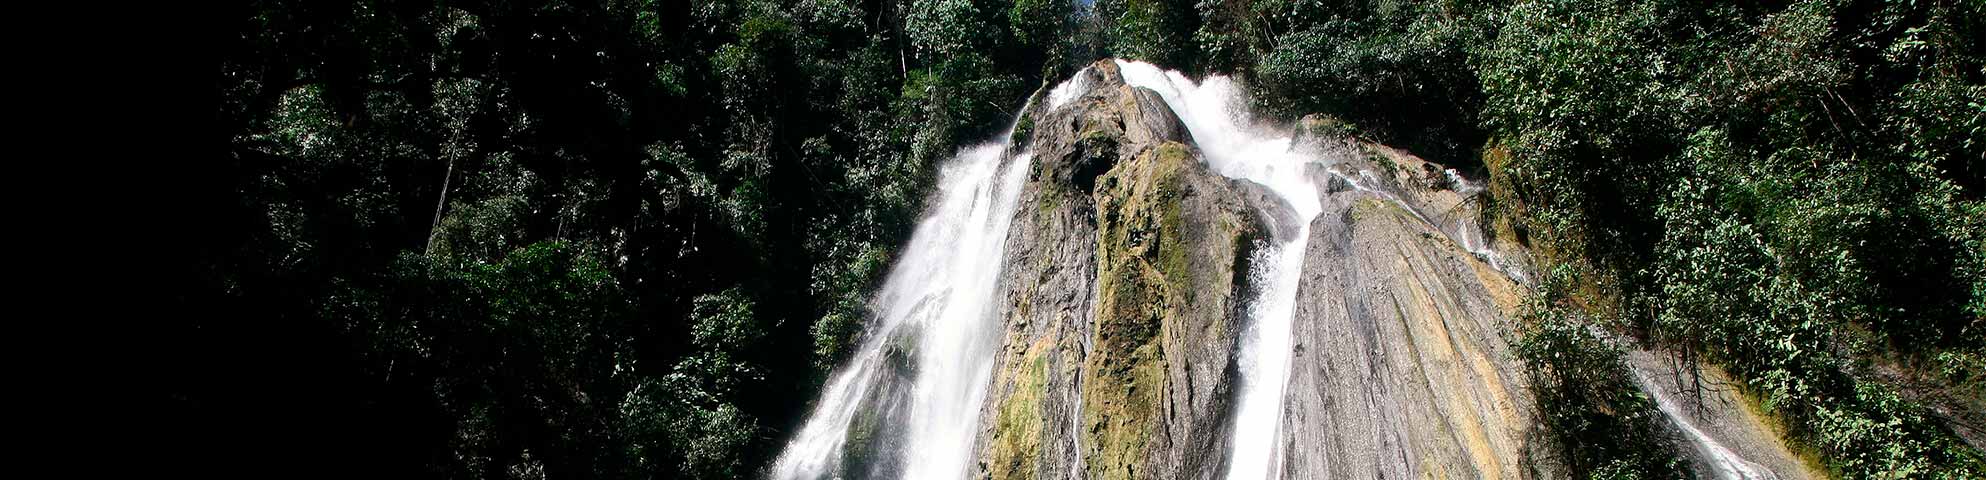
[[1129, 276], [1715, 429], [1401, 369], [1126, 283]]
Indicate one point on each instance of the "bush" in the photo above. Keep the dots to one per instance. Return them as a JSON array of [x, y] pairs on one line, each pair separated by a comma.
[[1598, 421]]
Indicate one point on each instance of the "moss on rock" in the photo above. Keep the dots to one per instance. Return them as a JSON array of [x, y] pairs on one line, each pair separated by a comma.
[[1141, 265], [1018, 430]]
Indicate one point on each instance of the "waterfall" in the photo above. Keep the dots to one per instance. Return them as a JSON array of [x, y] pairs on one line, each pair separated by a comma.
[[1469, 234], [1214, 113], [1720, 460], [908, 401], [929, 353]]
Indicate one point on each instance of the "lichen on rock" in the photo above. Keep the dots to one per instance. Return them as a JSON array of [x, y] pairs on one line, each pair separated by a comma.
[[1110, 312]]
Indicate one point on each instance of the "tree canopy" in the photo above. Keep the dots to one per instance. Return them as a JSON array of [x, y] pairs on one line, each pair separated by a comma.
[[628, 238]]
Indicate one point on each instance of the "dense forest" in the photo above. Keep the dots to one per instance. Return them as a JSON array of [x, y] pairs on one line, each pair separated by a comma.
[[630, 238]]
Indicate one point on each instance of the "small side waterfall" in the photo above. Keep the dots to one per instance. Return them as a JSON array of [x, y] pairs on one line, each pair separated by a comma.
[[1233, 148], [1718, 459], [928, 357], [1469, 233]]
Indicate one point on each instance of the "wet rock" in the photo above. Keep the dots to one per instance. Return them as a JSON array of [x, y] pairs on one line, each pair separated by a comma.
[[1125, 289], [1446, 199], [1123, 286], [1712, 422], [1400, 368]]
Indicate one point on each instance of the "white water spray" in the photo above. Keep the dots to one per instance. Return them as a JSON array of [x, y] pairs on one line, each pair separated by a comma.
[[939, 297], [1213, 111], [936, 302]]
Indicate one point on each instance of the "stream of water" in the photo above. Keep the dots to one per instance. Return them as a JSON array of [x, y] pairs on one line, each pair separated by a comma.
[[1214, 110], [931, 348]]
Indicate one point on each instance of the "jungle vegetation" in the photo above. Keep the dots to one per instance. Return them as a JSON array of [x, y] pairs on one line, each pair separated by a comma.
[[628, 238]]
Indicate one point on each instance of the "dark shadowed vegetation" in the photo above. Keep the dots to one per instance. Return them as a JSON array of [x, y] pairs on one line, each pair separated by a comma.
[[628, 238], [1789, 189], [563, 239]]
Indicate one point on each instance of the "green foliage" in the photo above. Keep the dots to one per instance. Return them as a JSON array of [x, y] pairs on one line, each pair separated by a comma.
[[947, 28], [1788, 239], [1038, 22], [1157, 31], [1599, 423], [624, 239], [497, 342], [1585, 119], [1400, 70], [621, 239], [678, 428], [1785, 321], [1791, 189]]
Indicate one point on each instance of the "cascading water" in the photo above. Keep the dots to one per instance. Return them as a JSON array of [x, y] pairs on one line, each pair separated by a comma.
[[1212, 111], [1721, 461], [1470, 235], [906, 405], [933, 320]]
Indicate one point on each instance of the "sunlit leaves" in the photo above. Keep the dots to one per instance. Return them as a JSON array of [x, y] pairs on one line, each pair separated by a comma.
[[945, 28]]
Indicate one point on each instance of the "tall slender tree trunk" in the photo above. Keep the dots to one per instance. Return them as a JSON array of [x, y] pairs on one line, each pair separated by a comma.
[[440, 205]]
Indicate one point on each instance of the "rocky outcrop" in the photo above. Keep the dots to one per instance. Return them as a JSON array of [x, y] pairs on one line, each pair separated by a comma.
[[1028, 426], [1126, 284], [1721, 433], [1124, 281], [1125, 289], [1400, 366], [1173, 248], [1435, 194]]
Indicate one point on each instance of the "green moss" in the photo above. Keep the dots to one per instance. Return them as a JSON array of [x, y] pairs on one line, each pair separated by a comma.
[[1017, 431], [1045, 203], [1142, 276], [1096, 135], [1366, 208], [1381, 160], [1172, 226]]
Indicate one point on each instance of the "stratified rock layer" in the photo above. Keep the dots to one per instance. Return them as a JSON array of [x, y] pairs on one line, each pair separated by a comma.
[[1401, 370]]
